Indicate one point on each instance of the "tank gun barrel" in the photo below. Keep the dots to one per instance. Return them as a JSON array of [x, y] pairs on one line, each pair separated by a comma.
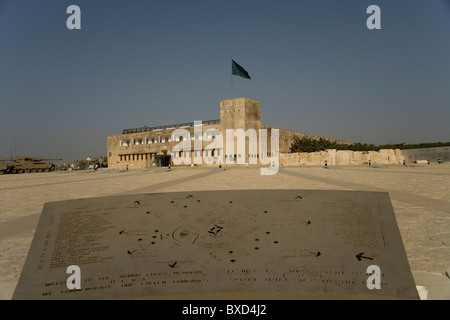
[[27, 158]]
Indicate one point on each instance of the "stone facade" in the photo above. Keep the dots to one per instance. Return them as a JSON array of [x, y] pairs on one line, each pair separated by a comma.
[[342, 157], [147, 147], [431, 154]]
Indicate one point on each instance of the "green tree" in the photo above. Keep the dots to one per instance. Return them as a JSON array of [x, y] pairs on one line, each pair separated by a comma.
[[306, 144]]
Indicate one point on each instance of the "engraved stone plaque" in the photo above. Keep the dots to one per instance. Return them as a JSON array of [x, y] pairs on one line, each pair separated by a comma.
[[287, 244]]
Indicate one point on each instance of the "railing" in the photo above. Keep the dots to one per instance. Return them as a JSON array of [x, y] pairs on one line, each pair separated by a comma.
[[170, 126]]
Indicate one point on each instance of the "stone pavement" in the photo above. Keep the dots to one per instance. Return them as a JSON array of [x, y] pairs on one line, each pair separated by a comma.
[[419, 195]]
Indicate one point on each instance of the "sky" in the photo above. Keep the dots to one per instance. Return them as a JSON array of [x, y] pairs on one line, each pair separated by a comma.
[[315, 66]]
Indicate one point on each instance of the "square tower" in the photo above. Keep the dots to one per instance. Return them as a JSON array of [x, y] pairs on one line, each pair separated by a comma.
[[240, 113]]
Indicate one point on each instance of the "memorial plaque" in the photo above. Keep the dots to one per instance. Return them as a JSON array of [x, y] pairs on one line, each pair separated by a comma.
[[222, 244]]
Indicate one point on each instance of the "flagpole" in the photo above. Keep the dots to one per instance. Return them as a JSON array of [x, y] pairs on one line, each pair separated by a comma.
[[232, 93]]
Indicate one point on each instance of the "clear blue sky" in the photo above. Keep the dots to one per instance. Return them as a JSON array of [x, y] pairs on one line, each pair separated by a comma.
[[315, 67]]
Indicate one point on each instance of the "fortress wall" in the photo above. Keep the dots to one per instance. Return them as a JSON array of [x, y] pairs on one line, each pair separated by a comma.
[[143, 149], [342, 157], [287, 137]]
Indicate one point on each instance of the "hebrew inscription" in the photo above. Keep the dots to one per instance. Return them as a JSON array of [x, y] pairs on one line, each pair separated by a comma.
[[149, 245]]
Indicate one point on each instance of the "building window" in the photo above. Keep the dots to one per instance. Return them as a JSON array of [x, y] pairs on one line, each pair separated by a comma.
[[124, 143]]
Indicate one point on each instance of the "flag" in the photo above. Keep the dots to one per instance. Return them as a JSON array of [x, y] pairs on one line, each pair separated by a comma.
[[237, 70]]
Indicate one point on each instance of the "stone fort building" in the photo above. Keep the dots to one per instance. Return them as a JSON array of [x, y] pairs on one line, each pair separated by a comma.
[[146, 147]]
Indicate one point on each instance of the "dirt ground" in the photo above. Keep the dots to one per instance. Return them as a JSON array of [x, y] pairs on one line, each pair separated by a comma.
[[420, 197]]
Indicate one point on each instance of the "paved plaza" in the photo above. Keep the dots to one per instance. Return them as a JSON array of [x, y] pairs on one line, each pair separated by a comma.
[[420, 197]]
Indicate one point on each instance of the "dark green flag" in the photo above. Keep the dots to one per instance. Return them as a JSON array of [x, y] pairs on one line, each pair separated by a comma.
[[237, 70]]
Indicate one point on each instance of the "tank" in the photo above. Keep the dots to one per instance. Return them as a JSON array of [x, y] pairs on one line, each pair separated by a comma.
[[26, 165], [5, 167]]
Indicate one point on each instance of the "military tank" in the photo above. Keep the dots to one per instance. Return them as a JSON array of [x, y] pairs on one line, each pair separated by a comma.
[[5, 167], [26, 165]]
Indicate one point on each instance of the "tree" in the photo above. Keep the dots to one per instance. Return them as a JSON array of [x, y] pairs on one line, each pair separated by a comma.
[[306, 144]]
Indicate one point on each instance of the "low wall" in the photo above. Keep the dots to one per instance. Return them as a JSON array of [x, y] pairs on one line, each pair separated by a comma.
[[431, 154], [342, 157]]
